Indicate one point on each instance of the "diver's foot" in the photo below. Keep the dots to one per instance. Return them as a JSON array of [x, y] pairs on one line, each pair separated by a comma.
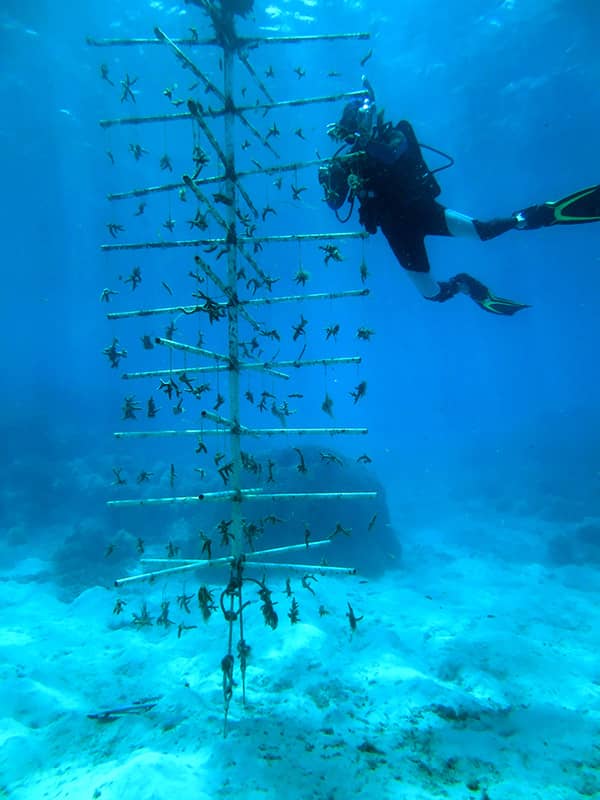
[[480, 294], [533, 217]]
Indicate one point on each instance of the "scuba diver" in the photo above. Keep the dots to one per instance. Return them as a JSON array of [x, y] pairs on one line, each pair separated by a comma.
[[385, 170]]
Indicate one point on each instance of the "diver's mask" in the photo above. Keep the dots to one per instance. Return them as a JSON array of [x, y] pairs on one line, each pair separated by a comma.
[[356, 123]]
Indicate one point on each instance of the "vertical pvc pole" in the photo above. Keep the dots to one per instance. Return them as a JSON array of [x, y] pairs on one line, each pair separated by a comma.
[[233, 316]]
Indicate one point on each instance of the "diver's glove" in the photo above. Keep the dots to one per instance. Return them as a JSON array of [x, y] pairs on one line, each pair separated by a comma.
[[367, 214]]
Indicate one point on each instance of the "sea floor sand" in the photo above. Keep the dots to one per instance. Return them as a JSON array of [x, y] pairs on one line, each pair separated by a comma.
[[469, 676]]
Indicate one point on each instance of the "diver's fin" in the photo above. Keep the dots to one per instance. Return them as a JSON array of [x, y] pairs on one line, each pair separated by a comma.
[[480, 294], [500, 305], [581, 206]]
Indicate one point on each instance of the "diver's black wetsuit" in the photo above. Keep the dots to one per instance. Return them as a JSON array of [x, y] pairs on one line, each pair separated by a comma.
[[399, 196], [397, 192]]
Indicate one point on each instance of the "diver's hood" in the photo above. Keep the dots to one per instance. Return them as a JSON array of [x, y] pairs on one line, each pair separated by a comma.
[[357, 121]]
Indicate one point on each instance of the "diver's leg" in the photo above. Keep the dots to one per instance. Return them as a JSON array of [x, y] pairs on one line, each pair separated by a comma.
[[579, 207], [462, 225], [408, 245], [441, 221], [426, 284], [459, 224]]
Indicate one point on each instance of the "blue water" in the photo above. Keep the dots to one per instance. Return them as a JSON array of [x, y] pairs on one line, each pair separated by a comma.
[[483, 430], [509, 89]]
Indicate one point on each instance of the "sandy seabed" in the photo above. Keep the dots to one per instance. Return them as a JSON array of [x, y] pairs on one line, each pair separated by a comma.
[[468, 676]]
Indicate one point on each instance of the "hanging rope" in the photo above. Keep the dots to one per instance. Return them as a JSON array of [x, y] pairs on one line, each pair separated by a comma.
[[233, 591]]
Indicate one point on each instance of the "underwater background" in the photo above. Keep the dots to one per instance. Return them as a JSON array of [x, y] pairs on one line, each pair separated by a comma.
[[483, 431]]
